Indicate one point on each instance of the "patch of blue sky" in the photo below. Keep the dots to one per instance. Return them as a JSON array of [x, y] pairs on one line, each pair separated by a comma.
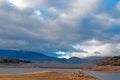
[[108, 5], [114, 30], [43, 11], [47, 15]]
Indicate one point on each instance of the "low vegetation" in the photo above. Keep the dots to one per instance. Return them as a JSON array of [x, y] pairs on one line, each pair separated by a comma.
[[114, 61], [13, 61]]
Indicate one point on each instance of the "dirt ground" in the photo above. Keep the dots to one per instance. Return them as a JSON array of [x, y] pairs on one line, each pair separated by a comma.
[[47, 75]]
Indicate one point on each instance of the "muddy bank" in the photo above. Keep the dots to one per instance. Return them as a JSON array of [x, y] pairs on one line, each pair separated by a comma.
[[106, 68]]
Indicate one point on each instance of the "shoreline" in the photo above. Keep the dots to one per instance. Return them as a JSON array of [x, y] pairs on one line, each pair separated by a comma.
[[107, 69]]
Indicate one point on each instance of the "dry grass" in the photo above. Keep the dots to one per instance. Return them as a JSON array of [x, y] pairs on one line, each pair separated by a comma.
[[47, 75], [106, 68]]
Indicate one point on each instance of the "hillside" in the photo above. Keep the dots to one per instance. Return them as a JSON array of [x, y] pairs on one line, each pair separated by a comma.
[[27, 55], [114, 61], [108, 65]]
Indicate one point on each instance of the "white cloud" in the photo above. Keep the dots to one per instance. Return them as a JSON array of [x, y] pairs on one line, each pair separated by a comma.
[[19, 3], [118, 6], [2, 2], [22, 4], [106, 20], [93, 42], [37, 12], [52, 10], [103, 49], [79, 9], [69, 14]]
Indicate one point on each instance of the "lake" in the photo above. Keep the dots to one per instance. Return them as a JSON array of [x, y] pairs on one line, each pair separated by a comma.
[[100, 75]]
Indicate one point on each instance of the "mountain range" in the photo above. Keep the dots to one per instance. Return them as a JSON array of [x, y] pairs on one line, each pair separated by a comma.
[[40, 57]]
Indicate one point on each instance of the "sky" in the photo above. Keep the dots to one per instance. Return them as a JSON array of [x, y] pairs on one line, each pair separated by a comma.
[[61, 28]]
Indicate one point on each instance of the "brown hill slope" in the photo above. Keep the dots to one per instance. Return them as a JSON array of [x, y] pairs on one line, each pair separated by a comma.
[[114, 61]]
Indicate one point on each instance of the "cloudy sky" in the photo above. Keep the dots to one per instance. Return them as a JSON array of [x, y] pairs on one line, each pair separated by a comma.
[[61, 28]]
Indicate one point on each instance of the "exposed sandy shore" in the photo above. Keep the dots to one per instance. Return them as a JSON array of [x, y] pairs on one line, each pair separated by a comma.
[[47, 75], [107, 68]]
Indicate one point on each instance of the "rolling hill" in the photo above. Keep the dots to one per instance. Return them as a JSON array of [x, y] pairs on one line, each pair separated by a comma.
[[113, 61], [39, 57]]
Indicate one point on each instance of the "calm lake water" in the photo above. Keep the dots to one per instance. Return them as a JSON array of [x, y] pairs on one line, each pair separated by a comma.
[[100, 75]]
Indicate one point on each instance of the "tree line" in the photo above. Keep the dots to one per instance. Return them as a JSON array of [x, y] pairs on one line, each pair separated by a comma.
[[13, 61]]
